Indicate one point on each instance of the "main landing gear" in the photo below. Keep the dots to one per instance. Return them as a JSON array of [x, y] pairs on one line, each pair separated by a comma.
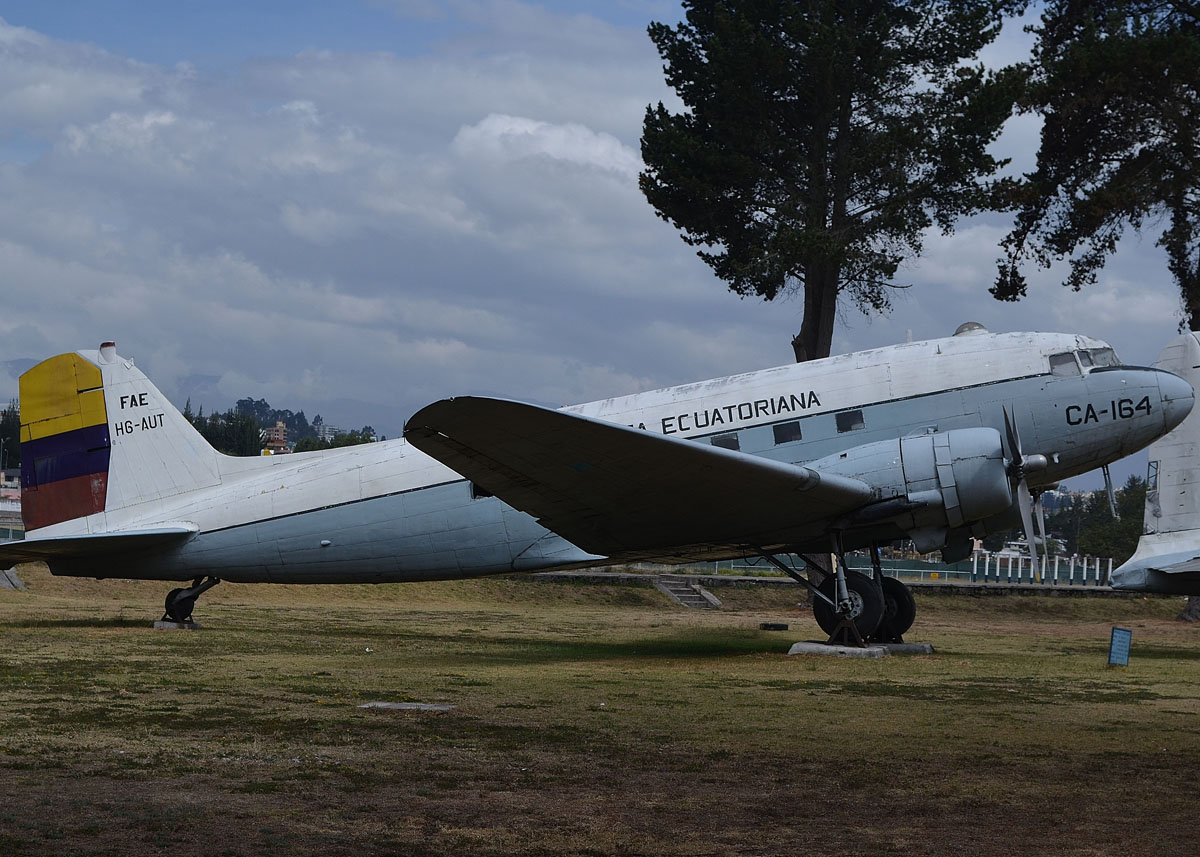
[[181, 602], [855, 609]]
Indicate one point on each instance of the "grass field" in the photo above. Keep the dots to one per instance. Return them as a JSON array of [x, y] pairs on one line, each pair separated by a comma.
[[586, 721]]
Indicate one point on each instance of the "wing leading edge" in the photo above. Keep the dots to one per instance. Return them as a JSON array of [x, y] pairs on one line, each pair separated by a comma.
[[626, 492]]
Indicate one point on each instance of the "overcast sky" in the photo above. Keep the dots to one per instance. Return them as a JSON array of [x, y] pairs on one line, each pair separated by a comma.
[[357, 208]]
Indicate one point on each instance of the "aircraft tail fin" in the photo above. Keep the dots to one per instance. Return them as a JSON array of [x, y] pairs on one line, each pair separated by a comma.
[[97, 438], [1168, 553]]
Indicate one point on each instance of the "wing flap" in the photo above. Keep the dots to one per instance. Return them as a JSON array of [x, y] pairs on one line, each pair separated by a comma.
[[91, 544], [620, 491]]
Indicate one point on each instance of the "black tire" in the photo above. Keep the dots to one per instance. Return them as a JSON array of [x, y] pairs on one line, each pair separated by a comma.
[[899, 608], [179, 609], [866, 597]]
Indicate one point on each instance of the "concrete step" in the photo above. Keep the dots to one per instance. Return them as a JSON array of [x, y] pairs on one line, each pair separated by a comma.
[[686, 593]]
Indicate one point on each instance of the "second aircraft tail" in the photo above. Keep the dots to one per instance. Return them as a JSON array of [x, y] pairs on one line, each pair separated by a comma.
[[1168, 553]]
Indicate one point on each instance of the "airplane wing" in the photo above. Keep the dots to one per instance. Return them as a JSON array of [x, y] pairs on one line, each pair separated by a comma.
[[90, 545], [629, 493]]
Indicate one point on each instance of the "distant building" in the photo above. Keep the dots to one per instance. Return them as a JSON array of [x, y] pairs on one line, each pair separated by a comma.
[[275, 439], [327, 432], [11, 526]]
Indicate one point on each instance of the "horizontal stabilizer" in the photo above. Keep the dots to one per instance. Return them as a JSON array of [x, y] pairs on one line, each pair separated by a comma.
[[625, 492], [91, 545]]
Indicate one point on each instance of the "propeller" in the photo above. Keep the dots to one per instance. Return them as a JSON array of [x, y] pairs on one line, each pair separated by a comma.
[[1041, 522], [1018, 469]]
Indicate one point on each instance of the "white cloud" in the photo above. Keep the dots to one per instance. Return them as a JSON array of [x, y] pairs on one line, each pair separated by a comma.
[[44, 83], [361, 233], [502, 138], [318, 225]]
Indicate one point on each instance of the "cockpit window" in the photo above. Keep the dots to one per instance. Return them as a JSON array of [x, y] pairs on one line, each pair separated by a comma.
[[1103, 357], [1085, 359], [1063, 364]]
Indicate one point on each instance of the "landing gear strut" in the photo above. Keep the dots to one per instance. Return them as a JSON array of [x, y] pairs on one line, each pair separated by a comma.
[[859, 614], [181, 602], [854, 609]]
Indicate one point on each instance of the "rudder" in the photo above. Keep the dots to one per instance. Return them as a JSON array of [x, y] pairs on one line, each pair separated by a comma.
[[99, 440], [65, 448]]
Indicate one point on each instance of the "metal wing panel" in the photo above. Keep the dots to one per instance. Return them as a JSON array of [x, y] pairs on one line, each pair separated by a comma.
[[620, 491], [96, 544]]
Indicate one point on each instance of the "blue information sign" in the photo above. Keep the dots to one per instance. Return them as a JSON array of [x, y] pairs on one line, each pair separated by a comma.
[[1118, 647]]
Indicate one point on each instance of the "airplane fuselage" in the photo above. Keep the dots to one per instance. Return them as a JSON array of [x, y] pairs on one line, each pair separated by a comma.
[[388, 512]]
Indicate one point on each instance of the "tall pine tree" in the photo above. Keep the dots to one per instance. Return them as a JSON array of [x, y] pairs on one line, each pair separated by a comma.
[[821, 139]]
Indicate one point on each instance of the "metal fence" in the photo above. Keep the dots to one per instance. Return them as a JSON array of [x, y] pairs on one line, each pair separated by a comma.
[[982, 567], [1055, 570]]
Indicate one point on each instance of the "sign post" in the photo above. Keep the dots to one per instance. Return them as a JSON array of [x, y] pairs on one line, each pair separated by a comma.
[[1118, 647]]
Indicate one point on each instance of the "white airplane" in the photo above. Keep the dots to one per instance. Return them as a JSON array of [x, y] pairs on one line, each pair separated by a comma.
[[921, 441], [1167, 558]]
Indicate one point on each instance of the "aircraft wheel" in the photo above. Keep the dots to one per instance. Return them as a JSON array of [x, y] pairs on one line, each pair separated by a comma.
[[179, 609], [866, 604], [899, 608]]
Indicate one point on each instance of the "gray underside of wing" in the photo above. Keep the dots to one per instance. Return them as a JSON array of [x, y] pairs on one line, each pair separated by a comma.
[[625, 492]]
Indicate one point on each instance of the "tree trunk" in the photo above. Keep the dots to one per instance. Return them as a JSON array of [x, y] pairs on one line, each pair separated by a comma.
[[815, 339], [1191, 611]]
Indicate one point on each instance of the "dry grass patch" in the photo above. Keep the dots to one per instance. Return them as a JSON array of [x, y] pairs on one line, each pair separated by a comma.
[[589, 721]]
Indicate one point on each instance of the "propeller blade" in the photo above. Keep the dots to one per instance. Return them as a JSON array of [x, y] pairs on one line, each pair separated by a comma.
[[1041, 521], [1017, 470], [1014, 438], [1025, 503], [1108, 488]]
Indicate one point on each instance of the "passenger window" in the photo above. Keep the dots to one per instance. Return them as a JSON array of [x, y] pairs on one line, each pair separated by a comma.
[[727, 441], [1063, 364], [850, 421], [786, 432]]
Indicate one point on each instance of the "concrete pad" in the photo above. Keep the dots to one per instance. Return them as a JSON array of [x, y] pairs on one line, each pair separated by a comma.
[[876, 650], [815, 648], [410, 706], [162, 625], [9, 580]]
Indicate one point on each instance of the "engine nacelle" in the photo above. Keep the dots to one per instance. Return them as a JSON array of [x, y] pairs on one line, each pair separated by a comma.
[[934, 486]]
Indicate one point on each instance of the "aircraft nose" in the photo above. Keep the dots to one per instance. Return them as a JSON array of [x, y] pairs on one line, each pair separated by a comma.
[[1177, 398]]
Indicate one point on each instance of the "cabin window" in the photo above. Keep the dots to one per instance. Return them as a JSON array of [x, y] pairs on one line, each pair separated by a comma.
[[1063, 364], [727, 441], [850, 421], [786, 432], [1152, 476], [1103, 357]]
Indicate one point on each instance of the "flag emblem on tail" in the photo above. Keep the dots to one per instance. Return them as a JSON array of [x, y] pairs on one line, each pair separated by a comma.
[[64, 441]]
